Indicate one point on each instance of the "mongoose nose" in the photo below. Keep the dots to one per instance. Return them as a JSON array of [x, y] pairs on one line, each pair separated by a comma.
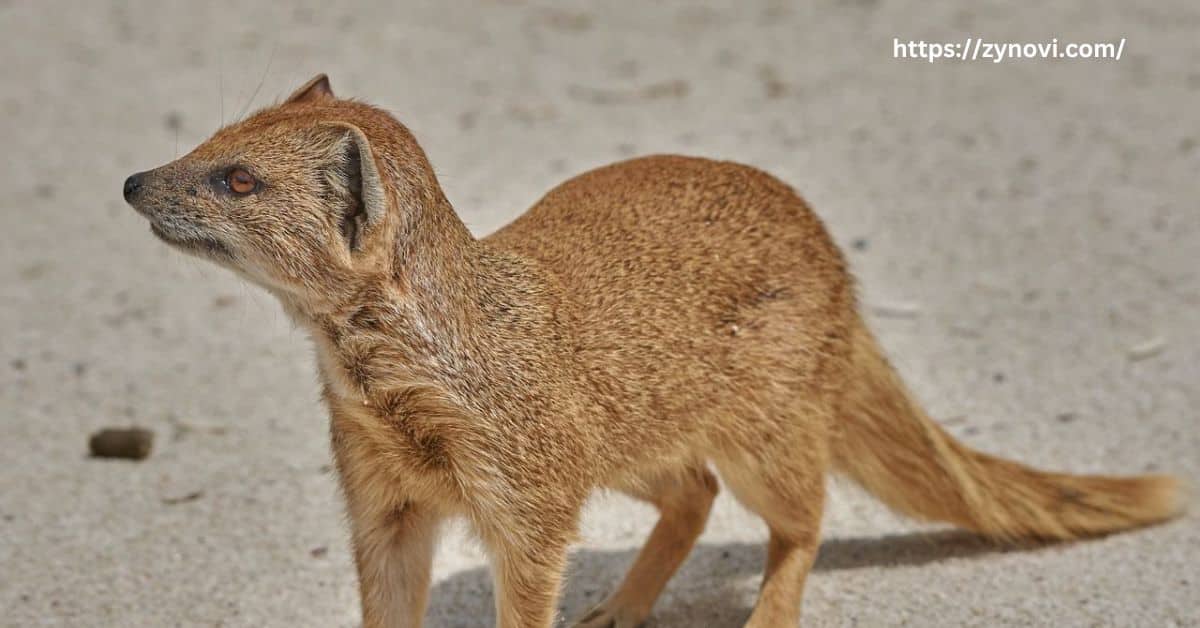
[[132, 185]]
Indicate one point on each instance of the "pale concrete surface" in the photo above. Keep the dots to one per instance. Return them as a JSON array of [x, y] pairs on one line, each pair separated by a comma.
[[1033, 221]]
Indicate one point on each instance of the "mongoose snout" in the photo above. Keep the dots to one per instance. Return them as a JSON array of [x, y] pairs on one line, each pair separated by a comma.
[[158, 196]]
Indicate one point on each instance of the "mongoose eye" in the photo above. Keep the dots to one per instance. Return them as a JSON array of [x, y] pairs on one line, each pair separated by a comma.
[[240, 182]]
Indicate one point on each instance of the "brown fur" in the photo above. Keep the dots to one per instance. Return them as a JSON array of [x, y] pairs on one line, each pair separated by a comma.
[[640, 322]]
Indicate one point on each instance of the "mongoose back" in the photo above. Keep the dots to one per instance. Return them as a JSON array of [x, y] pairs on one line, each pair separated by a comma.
[[641, 324]]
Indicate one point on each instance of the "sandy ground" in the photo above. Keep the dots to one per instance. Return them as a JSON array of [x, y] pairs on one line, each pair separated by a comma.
[[1017, 228]]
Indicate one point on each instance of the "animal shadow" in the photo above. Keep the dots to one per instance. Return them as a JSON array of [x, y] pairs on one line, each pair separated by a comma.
[[715, 587]]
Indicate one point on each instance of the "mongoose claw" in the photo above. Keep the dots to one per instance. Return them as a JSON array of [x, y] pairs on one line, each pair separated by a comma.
[[608, 615]]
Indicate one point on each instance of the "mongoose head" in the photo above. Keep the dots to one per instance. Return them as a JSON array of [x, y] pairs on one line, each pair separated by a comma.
[[304, 198]]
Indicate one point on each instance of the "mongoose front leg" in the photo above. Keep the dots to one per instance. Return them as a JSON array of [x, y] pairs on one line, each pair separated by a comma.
[[529, 557], [393, 550], [683, 500]]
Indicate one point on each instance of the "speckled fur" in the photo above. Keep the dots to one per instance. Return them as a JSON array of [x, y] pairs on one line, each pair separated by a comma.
[[641, 322]]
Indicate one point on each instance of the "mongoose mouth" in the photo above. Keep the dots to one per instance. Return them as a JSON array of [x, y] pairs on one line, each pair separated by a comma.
[[190, 242]]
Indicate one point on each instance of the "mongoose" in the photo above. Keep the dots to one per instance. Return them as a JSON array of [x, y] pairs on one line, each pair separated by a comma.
[[640, 323]]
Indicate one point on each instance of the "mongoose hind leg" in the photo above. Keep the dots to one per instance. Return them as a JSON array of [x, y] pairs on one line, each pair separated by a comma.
[[683, 499], [782, 481]]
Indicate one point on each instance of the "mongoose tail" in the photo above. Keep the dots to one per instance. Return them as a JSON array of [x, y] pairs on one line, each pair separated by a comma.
[[893, 449]]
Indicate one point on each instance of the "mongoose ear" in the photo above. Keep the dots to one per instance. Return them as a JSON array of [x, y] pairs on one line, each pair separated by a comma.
[[317, 88], [356, 168]]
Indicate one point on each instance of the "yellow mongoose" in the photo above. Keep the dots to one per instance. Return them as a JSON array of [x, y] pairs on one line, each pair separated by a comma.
[[640, 322]]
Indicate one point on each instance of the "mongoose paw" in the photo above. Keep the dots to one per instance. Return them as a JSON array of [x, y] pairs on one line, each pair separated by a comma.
[[609, 615]]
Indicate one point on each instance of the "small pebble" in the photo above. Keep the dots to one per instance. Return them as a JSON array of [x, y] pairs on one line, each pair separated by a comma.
[[132, 444], [44, 190], [183, 499], [173, 121], [896, 310], [1147, 349]]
